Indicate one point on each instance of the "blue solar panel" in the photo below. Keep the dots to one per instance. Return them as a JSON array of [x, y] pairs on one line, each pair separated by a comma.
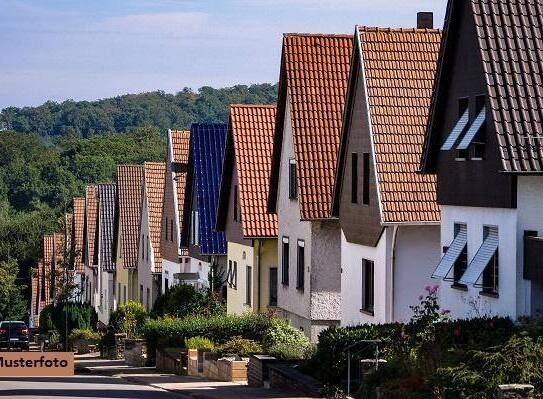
[[208, 152]]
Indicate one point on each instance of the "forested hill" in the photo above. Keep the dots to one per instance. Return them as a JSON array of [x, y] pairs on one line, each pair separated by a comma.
[[124, 113]]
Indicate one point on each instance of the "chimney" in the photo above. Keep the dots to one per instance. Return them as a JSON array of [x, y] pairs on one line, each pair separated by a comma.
[[425, 20]]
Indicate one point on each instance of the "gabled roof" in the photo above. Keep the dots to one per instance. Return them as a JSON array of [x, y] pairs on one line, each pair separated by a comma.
[[313, 82], [91, 221], [180, 141], [106, 222], [249, 145], [154, 173], [77, 233], [207, 141], [130, 199], [48, 250], [510, 35], [398, 66]]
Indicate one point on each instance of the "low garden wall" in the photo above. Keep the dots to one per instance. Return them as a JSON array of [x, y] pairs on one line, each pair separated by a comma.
[[172, 360], [84, 346], [258, 370]]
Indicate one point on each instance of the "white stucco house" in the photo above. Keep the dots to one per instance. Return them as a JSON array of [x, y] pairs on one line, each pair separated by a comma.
[[483, 142], [150, 257], [303, 166], [388, 213]]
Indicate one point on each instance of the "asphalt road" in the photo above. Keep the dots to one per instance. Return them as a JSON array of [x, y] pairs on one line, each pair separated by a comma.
[[78, 387]]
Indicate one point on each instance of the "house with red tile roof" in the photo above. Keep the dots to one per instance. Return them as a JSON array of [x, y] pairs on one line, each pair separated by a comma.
[[251, 232], [127, 232], [387, 211], [484, 145], [150, 257], [105, 251], [312, 89], [176, 262], [89, 245], [77, 243]]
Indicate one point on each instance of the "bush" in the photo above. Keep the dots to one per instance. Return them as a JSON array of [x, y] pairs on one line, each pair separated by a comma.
[[285, 342], [80, 316], [184, 300], [84, 334], [199, 343], [129, 318], [240, 346], [519, 361], [170, 332]]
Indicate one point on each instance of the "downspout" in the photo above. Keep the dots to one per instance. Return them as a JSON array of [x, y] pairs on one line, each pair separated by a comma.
[[393, 271], [259, 243]]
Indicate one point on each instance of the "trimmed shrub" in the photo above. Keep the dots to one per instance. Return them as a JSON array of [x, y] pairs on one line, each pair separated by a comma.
[[199, 343], [84, 334], [286, 342], [184, 300], [170, 332], [80, 316], [129, 318], [240, 346]]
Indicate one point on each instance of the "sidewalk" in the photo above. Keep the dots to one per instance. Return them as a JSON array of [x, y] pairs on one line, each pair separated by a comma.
[[186, 387]]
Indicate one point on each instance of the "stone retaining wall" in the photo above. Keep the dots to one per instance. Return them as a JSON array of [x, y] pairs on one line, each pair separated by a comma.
[[135, 352]]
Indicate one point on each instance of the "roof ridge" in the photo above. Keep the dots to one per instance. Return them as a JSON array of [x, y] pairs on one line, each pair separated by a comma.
[[270, 106], [339, 35], [364, 28], [180, 131]]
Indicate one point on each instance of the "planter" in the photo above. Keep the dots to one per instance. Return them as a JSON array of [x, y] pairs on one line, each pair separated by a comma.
[[230, 369]]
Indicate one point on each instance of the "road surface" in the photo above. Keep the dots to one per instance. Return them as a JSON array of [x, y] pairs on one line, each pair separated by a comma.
[[78, 387]]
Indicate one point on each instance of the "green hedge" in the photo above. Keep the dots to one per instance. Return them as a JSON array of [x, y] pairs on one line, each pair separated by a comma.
[[170, 332], [80, 316], [329, 363]]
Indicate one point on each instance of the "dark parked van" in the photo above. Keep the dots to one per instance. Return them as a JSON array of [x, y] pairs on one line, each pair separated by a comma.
[[14, 334]]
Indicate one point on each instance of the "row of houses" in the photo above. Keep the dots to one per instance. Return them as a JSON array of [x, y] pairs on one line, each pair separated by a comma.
[[395, 159]]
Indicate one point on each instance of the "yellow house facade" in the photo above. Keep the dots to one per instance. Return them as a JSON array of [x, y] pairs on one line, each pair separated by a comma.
[[251, 233]]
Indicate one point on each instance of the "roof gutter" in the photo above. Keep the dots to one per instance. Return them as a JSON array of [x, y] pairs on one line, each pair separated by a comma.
[[425, 223]]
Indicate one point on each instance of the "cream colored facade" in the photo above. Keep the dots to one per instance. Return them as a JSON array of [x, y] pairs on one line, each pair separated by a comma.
[[126, 280], [261, 260]]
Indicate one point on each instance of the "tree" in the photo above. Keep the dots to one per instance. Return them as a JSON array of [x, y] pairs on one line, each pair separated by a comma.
[[13, 305]]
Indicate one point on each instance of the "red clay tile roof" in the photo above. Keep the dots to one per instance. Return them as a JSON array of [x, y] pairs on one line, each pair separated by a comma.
[[253, 127], [154, 188], [48, 254], [77, 234], [181, 151], [91, 221], [35, 301], [399, 67], [314, 76], [130, 195]]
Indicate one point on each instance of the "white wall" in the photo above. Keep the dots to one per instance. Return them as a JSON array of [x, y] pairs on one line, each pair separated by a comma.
[[244, 256], [470, 303], [289, 298], [145, 276], [530, 217], [351, 281], [416, 256]]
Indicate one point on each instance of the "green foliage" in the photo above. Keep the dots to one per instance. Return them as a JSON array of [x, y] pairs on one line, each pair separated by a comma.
[[79, 316], [184, 300], [85, 334], [285, 342], [169, 332], [12, 301], [199, 343], [240, 346], [129, 318], [123, 114], [518, 361]]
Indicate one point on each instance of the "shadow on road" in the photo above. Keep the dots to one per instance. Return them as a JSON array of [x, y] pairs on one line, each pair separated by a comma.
[[87, 393]]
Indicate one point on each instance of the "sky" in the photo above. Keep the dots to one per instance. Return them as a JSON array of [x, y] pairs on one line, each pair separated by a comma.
[[90, 49]]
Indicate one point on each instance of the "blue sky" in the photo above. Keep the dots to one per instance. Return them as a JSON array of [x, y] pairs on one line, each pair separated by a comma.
[[90, 49]]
